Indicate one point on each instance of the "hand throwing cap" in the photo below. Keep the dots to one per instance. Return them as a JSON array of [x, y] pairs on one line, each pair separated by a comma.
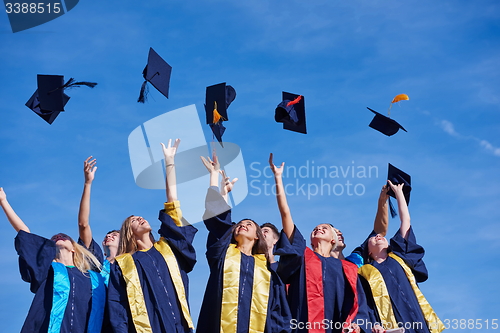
[[397, 176]]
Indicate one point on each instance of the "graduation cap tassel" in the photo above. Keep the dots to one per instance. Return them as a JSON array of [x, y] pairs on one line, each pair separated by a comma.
[[144, 92], [295, 101], [71, 83], [391, 208], [83, 83], [217, 116]]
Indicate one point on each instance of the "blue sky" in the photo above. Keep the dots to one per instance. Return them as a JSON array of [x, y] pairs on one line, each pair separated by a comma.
[[341, 55]]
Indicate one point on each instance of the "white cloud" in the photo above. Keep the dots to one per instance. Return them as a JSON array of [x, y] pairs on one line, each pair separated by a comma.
[[448, 128], [488, 146]]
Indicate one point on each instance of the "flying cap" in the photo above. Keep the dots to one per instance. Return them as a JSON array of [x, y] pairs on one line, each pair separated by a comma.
[[385, 124], [218, 129], [397, 176], [49, 99], [218, 98], [292, 113], [157, 72]]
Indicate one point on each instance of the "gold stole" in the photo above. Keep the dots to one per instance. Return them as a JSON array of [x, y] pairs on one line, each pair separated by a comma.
[[231, 287], [175, 274], [433, 322], [135, 295], [383, 300]]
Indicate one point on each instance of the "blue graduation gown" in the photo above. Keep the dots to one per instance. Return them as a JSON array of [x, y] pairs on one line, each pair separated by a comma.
[[36, 255], [162, 304], [404, 302], [338, 294], [96, 250], [219, 239]]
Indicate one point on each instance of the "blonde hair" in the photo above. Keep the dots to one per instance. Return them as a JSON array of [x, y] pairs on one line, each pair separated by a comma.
[[128, 242], [83, 259], [334, 233]]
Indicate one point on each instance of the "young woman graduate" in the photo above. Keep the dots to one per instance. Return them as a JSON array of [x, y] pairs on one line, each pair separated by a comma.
[[324, 294], [112, 238], [243, 295], [69, 294], [392, 274], [148, 287]]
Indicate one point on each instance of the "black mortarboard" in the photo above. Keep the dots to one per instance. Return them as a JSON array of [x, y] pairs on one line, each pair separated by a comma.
[[397, 176], [218, 130], [49, 99], [292, 113], [385, 124], [49, 116], [218, 97], [157, 72]]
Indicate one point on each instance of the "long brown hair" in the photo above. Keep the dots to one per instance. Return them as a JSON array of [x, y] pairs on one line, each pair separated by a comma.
[[128, 242], [259, 246]]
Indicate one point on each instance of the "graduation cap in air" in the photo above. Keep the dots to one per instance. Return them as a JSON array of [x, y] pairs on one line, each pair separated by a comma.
[[397, 176], [157, 72], [292, 113], [49, 99], [217, 100], [385, 124]]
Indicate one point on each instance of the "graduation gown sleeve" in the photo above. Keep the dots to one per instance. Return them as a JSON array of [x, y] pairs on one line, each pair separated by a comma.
[[94, 248], [35, 258], [180, 239], [291, 254], [411, 253]]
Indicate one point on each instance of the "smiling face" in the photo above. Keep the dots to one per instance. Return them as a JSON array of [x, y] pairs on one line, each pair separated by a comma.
[[63, 241], [376, 244], [245, 229], [340, 239], [324, 233], [112, 240], [139, 226], [269, 236]]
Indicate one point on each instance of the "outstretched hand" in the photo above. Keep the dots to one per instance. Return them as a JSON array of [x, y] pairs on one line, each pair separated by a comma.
[[278, 171], [397, 189], [212, 165], [89, 169], [226, 185], [169, 151]]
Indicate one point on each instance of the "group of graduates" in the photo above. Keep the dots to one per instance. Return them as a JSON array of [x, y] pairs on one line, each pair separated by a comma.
[[142, 284]]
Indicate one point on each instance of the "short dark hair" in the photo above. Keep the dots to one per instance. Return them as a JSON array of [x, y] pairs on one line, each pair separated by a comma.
[[272, 227]]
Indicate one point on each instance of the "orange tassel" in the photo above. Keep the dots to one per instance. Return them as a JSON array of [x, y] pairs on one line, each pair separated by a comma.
[[295, 101], [217, 115]]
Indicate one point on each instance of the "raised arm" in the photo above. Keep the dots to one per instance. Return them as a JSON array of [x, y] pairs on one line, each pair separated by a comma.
[[381, 224], [170, 180], [404, 213], [14, 220], [213, 168], [286, 215], [84, 230]]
